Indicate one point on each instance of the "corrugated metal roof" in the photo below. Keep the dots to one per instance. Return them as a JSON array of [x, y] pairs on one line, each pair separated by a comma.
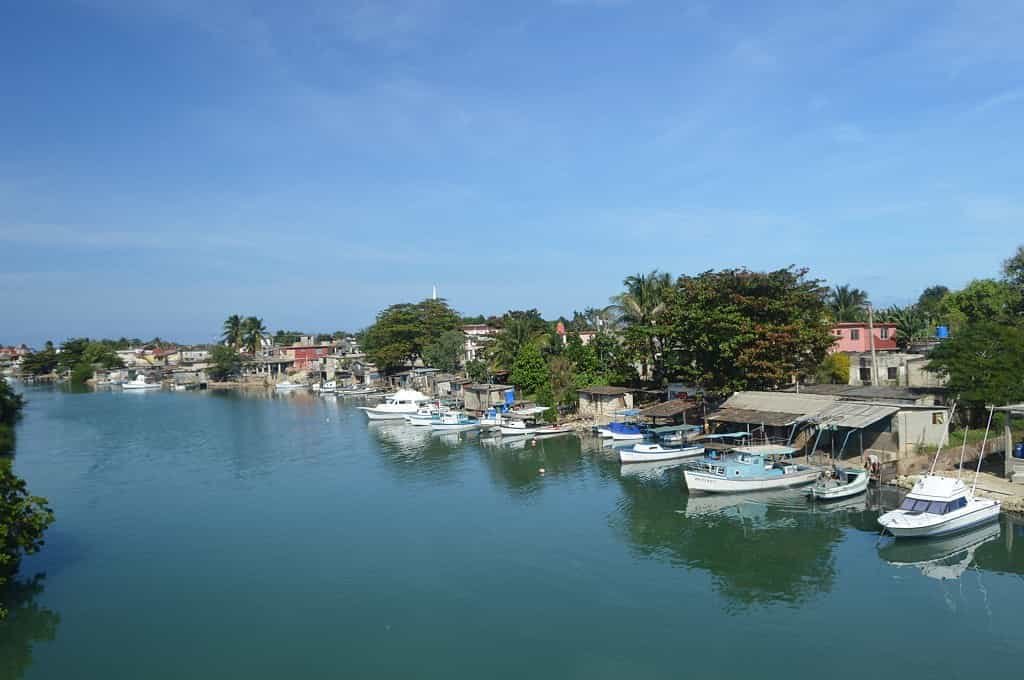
[[853, 414], [780, 402], [754, 417]]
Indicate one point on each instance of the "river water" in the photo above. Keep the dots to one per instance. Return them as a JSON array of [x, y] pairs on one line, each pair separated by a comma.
[[204, 535]]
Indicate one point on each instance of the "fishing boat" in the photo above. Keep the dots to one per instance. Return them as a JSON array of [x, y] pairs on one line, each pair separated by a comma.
[[288, 386], [749, 468], [625, 427], [661, 447], [839, 483], [139, 383], [423, 416], [553, 431], [326, 387], [938, 505], [654, 451], [522, 423], [454, 422], [396, 406]]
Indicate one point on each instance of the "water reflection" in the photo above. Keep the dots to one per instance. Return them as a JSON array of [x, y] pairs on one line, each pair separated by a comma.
[[26, 624], [942, 559], [519, 464]]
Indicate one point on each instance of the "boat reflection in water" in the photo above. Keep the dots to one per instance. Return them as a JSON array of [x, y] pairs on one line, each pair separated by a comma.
[[650, 470], [944, 559]]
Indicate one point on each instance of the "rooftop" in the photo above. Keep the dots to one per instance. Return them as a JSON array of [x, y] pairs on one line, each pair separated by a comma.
[[606, 390], [667, 409]]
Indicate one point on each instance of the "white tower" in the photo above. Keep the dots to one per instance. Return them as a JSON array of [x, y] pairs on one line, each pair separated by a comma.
[[435, 291]]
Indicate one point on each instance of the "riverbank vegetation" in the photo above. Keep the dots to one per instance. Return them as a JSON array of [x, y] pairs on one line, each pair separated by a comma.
[[23, 517]]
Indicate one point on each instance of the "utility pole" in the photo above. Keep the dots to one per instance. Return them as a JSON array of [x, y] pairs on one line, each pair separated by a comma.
[[871, 339]]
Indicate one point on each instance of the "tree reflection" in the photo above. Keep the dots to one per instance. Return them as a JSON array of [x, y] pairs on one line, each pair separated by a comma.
[[759, 548], [27, 623], [516, 463]]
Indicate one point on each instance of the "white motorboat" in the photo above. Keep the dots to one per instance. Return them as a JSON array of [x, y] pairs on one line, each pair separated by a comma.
[[522, 423], [396, 406], [454, 422], [648, 452], [139, 383], [839, 483], [326, 387], [749, 468], [937, 506], [288, 386]]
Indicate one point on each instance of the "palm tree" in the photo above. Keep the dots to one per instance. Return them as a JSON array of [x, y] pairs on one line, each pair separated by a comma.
[[518, 332], [640, 305], [253, 331], [233, 331], [846, 304], [911, 324]]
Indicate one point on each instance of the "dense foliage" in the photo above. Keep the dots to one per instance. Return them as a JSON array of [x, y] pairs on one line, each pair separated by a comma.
[[640, 310], [23, 517], [847, 304], [224, 362], [11, 404], [737, 329], [402, 332], [446, 352]]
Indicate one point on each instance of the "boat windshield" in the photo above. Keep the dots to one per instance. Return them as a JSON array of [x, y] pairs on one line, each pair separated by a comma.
[[932, 507]]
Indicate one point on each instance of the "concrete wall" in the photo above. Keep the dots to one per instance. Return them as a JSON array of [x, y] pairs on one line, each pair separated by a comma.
[[603, 406], [920, 428], [895, 369]]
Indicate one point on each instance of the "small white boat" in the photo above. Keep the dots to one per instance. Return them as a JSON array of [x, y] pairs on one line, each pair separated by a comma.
[[454, 422], [328, 387], [522, 423], [937, 506], [839, 483], [288, 386], [648, 452], [139, 383], [396, 406]]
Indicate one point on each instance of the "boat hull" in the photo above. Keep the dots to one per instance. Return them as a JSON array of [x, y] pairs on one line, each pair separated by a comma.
[[985, 513], [438, 427], [834, 493], [634, 456], [517, 431], [377, 414], [708, 483]]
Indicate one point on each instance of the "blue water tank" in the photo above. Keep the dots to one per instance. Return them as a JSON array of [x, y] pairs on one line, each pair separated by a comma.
[[942, 332], [1018, 450], [510, 397]]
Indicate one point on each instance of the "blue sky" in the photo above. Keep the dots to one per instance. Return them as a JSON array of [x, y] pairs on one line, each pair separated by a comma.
[[166, 163]]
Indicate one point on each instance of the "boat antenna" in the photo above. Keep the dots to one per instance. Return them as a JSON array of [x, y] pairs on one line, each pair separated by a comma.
[[945, 438], [981, 456], [963, 450]]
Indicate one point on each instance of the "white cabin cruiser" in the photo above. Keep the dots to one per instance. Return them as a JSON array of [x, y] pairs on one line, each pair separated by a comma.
[[396, 406], [139, 383], [937, 506]]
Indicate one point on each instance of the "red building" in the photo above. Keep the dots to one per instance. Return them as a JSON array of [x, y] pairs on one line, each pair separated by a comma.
[[304, 354]]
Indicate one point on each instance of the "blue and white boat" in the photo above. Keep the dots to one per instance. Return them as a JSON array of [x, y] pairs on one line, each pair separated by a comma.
[[627, 429], [454, 422], [749, 468], [666, 443]]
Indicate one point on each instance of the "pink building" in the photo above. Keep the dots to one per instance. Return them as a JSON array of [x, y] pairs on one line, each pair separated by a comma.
[[854, 337]]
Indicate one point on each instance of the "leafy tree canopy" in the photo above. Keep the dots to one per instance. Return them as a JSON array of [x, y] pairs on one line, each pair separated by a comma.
[[980, 300], [446, 352], [23, 520], [224, 362], [846, 303], [529, 371], [737, 329], [984, 363], [402, 331]]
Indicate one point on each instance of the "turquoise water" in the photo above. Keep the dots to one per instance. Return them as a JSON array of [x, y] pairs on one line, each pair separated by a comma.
[[216, 535]]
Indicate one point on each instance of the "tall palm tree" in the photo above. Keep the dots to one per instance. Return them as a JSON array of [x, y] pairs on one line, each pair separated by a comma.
[[253, 331], [232, 334], [517, 333], [846, 303], [640, 305], [911, 324]]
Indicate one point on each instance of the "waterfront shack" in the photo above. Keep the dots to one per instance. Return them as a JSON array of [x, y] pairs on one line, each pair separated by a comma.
[[671, 412], [602, 401], [478, 397]]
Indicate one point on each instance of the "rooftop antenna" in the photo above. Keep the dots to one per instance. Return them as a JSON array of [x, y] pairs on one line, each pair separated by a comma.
[[981, 456], [945, 438]]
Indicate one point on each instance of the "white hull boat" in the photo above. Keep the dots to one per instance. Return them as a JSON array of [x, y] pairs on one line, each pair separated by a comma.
[[287, 386], [699, 481], [553, 431], [513, 430], [749, 468], [140, 384], [939, 506], [397, 406], [645, 453], [839, 484]]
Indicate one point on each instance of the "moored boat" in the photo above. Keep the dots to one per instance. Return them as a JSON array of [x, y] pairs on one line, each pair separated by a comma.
[[288, 386], [553, 431], [839, 483], [139, 383], [522, 423], [937, 506], [396, 406], [654, 451], [749, 468], [454, 422]]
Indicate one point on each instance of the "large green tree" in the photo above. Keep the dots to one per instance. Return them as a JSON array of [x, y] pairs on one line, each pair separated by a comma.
[[981, 300], [402, 332], [518, 329], [224, 362], [253, 331], [529, 371], [984, 363], [42, 362], [11, 404], [446, 352], [737, 329]]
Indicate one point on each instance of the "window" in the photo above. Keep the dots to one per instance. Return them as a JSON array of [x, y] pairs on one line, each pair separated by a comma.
[[854, 334], [892, 373], [883, 332], [865, 374]]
